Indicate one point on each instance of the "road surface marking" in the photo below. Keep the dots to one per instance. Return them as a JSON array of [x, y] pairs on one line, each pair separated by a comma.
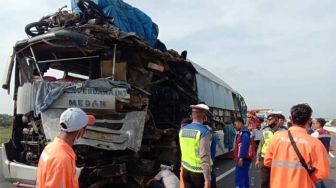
[[225, 174], [331, 155]]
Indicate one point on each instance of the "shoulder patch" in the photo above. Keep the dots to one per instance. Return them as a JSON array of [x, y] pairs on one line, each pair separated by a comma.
[[266, 135], [189, 133]]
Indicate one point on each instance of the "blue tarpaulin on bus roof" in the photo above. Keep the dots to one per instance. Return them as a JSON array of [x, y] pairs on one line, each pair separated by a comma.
[[129, 19]]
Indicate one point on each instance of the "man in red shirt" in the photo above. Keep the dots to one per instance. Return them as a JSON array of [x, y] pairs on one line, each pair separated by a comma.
[[57, 164]]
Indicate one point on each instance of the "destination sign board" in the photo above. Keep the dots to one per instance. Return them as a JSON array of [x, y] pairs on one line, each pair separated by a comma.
[[89, 98]]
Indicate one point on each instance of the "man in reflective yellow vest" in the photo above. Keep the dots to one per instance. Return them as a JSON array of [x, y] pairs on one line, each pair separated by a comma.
[[195, 142], [268, 132]]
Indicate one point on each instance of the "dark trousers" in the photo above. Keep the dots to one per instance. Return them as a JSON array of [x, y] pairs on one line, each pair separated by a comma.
[[242, 179], [265, 173], [156, 184], [213, 179], [320, 184], [192, 180], [256, 143]]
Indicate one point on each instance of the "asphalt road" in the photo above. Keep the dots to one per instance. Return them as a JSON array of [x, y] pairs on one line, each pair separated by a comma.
[[224, 169]]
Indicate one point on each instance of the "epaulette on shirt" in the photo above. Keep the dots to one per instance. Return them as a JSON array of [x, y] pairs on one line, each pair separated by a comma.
[[265, 128]]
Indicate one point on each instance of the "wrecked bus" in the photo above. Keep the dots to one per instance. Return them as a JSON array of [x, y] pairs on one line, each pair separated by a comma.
[[138, 95]]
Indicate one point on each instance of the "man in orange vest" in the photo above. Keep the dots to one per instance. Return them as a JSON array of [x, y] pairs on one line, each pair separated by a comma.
[[57, 164], [287, 147]]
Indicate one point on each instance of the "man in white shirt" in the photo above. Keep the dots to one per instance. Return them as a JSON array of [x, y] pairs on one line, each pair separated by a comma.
[[257, 132]]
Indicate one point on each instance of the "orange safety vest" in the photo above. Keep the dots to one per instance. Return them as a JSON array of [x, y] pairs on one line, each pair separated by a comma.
[[57, 166], [286, 169]]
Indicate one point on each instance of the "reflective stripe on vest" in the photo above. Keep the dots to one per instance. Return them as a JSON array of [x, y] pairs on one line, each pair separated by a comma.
[[194, 168], [267, 136], [190, 146], [286, 164]]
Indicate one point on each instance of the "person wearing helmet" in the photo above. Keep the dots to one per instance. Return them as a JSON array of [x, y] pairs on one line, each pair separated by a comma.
[[57, 163], [195, 142]]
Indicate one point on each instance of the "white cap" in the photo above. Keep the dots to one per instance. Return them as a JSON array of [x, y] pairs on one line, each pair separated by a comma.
[[75, 119], [200, 107]]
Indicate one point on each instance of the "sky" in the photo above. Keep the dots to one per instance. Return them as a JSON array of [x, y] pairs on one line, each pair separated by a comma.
[[275, 53]]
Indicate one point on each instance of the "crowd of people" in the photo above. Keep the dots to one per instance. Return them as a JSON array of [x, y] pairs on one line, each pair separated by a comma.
[[292, 155], [287, 155]]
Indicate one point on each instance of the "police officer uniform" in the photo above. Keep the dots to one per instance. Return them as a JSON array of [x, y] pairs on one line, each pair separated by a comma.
[[195, 140], [267, 135]]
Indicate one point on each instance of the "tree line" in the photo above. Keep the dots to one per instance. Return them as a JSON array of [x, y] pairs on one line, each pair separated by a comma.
[[6, 120]]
